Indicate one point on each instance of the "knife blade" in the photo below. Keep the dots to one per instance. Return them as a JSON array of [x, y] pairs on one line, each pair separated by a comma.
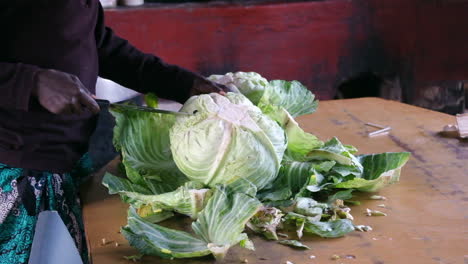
[[139, 108]]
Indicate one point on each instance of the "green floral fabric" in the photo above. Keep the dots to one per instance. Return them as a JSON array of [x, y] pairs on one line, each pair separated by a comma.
[[52, 191]]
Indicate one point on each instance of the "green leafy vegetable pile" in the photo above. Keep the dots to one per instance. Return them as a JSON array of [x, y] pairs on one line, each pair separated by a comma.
[[239, 161]]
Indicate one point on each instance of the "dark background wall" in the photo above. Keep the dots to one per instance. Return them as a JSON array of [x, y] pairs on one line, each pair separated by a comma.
[[415, 51]]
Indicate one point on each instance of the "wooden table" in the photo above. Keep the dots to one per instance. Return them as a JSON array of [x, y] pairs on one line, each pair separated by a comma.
[[427, 210]]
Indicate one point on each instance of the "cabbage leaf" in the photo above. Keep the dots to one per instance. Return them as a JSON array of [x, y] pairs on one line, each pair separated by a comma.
[[292, 96], [156, 240], [143, 140], [223, 220], [380, 170]]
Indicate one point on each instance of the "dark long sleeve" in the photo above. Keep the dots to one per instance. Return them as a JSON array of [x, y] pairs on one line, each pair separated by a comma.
[[16, 82], [68, 36], [126, 65], [45, 34]]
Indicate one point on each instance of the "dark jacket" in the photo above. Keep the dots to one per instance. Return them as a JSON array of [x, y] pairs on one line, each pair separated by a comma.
[[70, 36]]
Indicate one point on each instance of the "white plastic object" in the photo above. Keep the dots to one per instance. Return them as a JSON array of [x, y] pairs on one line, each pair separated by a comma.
[[52, 243], [462, 123], [108, 3], [113, 92]]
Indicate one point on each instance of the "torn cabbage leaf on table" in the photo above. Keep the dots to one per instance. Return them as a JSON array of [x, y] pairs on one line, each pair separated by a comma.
[[189, 199], [220, 226], [266, 221], [343, 170], [156, 240], [380, 170], [294, 244], [223, 220], [310, 225]]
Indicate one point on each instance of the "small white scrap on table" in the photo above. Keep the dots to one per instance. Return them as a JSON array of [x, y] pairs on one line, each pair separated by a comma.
[[384, 130], [461, 127]]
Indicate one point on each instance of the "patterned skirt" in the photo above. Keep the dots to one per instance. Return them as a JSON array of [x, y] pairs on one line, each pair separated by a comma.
[[24, 194]]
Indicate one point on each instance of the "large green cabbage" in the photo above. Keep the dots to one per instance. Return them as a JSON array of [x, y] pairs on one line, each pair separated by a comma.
[[234, 153], [227, 140]]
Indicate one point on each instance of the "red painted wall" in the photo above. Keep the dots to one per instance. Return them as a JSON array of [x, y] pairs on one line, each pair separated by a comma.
[[318, 43]]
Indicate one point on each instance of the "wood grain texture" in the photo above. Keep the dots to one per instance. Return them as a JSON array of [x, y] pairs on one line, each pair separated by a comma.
[[427, 209]]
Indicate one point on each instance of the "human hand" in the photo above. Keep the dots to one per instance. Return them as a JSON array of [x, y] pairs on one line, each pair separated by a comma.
[[62, 93], [202, 85]]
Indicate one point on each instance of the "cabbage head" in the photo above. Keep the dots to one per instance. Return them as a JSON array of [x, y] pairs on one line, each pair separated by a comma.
[[227, 140], [250, 84], [294, 97]]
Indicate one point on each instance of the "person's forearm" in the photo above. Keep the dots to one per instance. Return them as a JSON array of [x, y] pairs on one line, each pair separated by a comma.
[[123, 63], [16, 85], [143, 72], [128, 66]]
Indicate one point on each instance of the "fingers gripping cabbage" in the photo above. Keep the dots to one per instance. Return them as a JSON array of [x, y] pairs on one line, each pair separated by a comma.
[[228, 139]]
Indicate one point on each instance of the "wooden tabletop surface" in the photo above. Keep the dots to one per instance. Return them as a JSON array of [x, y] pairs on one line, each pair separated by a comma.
[[427, 211]]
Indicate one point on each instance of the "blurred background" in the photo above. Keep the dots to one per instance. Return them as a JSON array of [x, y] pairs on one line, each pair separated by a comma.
[[414, 51]]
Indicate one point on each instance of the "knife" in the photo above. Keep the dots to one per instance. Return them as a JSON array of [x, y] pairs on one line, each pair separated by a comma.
[[106, 103]]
